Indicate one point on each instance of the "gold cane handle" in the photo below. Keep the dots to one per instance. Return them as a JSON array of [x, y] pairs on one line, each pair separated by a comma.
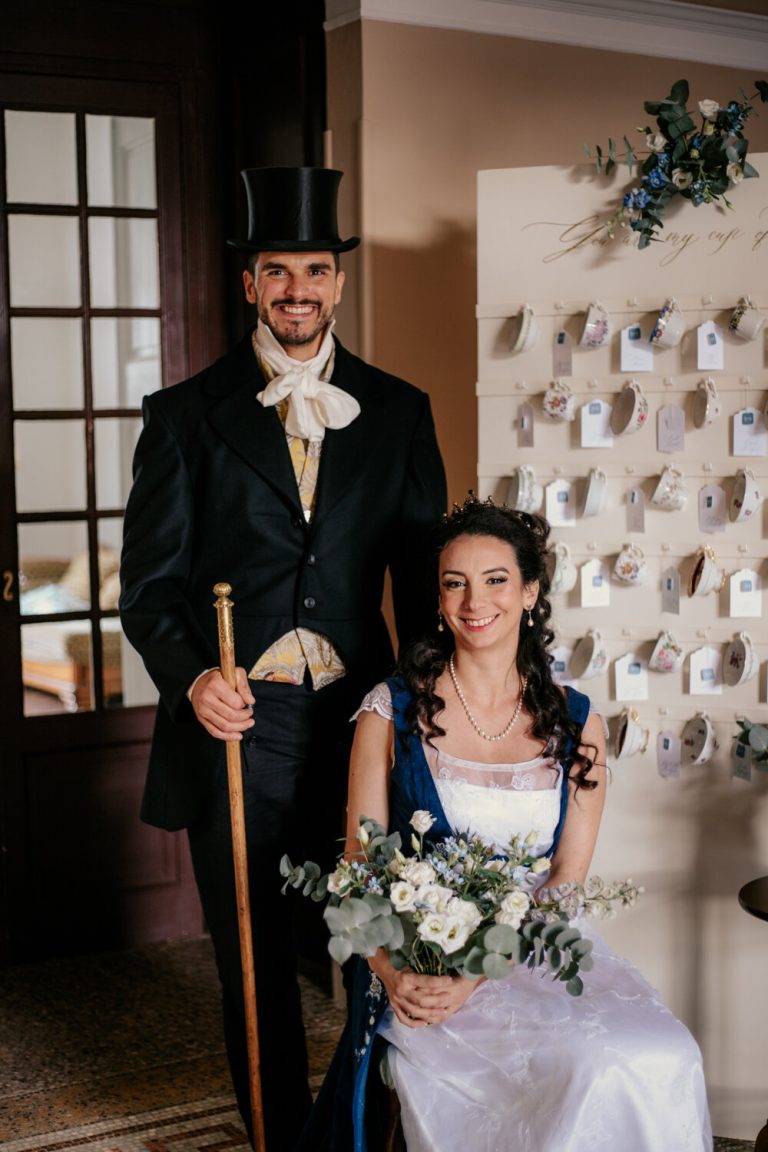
[[223, 606]]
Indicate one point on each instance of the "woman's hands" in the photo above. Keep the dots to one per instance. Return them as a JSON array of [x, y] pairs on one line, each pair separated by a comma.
[[417, 1000]]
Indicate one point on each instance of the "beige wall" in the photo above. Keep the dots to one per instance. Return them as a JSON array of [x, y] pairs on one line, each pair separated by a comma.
[[436, 107]]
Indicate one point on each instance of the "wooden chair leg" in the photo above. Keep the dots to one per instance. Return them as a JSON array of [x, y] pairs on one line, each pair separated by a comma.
[[395, 1141]]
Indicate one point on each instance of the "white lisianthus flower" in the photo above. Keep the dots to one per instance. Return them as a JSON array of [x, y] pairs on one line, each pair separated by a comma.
[[655, 141], [403, 895], [543, 864], [422, 821], [435, 897], [709, 109], [455, 934], [531, 839], [433, 928], [465, 911], [681, 179], [512, 909], [496, 865], [735, 172], [418, 872], [395, 865]]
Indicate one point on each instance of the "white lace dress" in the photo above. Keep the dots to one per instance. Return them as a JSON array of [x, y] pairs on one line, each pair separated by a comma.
[[524, 1066]]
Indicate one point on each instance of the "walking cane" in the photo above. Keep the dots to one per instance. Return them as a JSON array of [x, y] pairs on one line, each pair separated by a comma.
[[240, 853]]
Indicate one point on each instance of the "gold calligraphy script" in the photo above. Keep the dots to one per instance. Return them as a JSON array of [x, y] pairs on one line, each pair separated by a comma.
[[591, 231]]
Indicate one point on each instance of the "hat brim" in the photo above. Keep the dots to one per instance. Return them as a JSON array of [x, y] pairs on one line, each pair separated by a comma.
[[295, 245]]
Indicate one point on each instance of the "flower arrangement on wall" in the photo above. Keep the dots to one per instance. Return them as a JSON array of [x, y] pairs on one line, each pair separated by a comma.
[[698, 162]]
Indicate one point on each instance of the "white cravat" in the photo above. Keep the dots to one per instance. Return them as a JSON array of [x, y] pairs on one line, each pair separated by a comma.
[[314, 404]]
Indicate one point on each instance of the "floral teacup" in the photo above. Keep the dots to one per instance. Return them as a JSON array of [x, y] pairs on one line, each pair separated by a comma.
[[747, 321], [740, 661], [670, 493], [631, 737], [589, 656], [669, 327], [559, 402], [630, 411], [706, 404], [698, 739], [630, 564], [667, 656], [597, 327], [745, 497]]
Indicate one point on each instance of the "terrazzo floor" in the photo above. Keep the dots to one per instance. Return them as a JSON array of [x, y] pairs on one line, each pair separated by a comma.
[[97, 1052]]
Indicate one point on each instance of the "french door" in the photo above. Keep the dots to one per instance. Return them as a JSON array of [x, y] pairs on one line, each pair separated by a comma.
[[94, 314]]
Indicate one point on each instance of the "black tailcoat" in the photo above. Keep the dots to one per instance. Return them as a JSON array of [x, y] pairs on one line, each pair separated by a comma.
[[215, 499]]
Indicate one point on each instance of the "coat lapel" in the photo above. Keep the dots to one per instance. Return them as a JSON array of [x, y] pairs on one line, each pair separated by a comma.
[[252, 431]]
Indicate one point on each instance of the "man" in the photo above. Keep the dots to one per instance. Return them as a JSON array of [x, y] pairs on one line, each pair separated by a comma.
[[298, 474]]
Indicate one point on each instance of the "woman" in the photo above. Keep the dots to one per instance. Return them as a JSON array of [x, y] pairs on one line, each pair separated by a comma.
[[474, 730]]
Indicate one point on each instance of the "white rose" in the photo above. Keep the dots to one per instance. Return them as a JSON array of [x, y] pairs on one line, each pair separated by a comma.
[[418, 872], [432, 928], [455, 934], [337, 880], [422, 821], [655, 141], [709, 109], [395, 865], [464, 911], [735, 173], [434, 896], [512, 909], [543, 864], [403, 896], [681, 179]]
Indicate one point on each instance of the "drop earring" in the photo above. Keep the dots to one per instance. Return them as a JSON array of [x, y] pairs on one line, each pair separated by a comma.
[[440, 622], [530, 617]]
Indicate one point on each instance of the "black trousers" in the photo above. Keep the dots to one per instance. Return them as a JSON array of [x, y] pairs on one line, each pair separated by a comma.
[[294, 791]]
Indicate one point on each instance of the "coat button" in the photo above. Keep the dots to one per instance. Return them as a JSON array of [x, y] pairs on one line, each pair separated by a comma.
[[311, 559], [296, 523], [309, 602]]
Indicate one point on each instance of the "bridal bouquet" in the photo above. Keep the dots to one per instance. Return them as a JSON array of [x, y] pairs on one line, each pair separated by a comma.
[[456, 907]]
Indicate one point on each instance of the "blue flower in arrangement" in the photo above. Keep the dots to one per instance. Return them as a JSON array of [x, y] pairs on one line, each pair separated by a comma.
[[700, 163]]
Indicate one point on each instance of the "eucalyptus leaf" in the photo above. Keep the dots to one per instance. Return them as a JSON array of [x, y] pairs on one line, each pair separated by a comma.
[[495, 967], [575, 986], [680, 92], [340, 949], [500, 938]]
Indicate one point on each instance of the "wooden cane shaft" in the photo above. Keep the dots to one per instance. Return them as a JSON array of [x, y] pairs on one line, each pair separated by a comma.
[[240, 857]]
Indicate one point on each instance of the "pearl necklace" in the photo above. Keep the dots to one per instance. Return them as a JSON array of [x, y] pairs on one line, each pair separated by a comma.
[[480, 731]]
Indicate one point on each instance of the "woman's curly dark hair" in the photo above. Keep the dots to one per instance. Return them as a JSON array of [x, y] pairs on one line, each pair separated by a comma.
[[423, 661]]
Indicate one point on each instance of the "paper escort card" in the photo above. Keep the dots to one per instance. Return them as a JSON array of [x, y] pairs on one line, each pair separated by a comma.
[[670, 591], [595, 584], [561, 664], [668, 755], [712, 508], [705, 679], [741, 761], [745, 593], [560, 503], [631, 677], [562, 355], [635, 510], [596, 425], [670, 428], [750, 436], [636, 351], [709, 347], [525, 425]]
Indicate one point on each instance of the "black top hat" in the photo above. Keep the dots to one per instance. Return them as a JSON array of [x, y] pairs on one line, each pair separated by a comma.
[[292, 210]]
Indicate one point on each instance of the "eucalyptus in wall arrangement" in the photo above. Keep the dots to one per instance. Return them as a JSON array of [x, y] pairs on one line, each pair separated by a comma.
[[698, 162]]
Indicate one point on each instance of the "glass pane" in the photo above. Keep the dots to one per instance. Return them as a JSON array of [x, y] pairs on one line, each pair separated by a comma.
[[120, 159], [40, 162], [53, 568], [44, 257], [125, 361], [114, 445], [46, 363], [112, 644], [50, 465], [135, 685], [124, 263], [56, 667]]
